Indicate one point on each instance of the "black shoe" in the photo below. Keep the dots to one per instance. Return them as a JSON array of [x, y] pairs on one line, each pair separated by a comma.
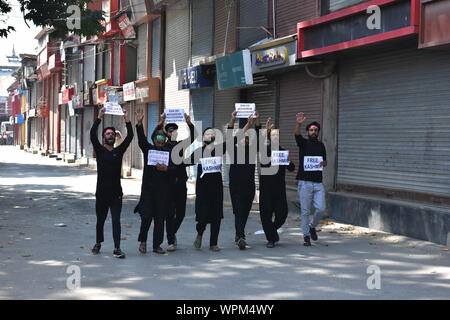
[[175, 242], [270, 244], [307, 241], [159, 250], [198, 242], [241, 244], [119, 254], [277, 237], [96, 249], [313, 233]]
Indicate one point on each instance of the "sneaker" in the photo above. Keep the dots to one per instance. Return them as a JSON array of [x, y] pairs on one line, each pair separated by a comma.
[[96, 249], [119, 254], [307, 241], [171, 247], [198, 242], [214, 248], [313, 233], [241, 244], [159, 250], [236, 239], [270, 244]]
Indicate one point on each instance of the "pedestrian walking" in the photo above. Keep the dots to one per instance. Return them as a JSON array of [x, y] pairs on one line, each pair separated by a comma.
[[313, 158], [273, 200], [242, 179], [156, 182], [109, 190]]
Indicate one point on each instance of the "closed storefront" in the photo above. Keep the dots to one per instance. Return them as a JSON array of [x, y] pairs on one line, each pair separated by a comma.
[[394, 124]]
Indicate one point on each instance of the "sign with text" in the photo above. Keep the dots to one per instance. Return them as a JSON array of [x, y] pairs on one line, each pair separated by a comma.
[[280, 158], [211, 165], [156, 156], [113, 108], [175, 115], [245, 110], [312, 163], [234, 70], [194, 77], [125, 25], [129, 91]]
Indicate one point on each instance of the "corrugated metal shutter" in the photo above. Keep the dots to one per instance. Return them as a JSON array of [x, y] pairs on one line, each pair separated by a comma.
[[340, 4], [252, 13], [298, 93], [142, 51], [394, 121], [289, 12], [153, 118], [156, 35], [177, 57], [264, 96], [224, 105], [225, 14], [98, 64], [89, 63], [116, 71], [107, 62], [202, 24]]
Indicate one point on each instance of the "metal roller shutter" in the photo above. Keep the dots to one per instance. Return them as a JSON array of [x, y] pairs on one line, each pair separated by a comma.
[[87, 125], [142, 32], [394, 121], [225, 15], [202, 24], [177, 58], [156, 35], [252, 13], [89, 63], [298, 93], [116, 71]]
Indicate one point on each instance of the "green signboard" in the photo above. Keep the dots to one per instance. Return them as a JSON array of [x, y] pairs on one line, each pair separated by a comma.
[[234, 70]]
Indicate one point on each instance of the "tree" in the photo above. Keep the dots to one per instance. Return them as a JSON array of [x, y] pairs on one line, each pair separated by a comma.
[[56, 14]]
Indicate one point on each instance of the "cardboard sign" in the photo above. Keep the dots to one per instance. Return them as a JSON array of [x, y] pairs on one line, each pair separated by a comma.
[[279, 158], [175, 115], [155, 157], [211, 165], [113, 108], [245, 110], [312, 163]]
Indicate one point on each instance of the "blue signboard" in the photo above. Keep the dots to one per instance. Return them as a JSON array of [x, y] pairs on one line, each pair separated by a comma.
[[194, 77], [20, 119]]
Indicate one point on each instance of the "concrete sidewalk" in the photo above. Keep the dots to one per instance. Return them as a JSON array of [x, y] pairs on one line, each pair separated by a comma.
[[39, 260]]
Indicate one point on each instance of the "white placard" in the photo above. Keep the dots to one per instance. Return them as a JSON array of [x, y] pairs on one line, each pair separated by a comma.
[[156, 156], [71, 109], [129, 91], [279, 158], [113, 108], [245, 110], [312, 163], [174, 115], [211, 165]]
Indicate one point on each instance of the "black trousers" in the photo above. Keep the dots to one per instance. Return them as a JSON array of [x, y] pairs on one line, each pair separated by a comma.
[[102, 205], [272, 202], [153, 207], [242, 204], [177, 210], [215, 229]]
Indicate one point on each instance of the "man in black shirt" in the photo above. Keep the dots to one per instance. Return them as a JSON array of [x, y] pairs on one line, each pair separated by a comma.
[[313, 159], [109, 191]]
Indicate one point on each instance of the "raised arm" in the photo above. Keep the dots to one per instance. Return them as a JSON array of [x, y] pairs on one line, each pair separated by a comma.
[[142, 139], [300, 119], [94, 138], [124, 145]]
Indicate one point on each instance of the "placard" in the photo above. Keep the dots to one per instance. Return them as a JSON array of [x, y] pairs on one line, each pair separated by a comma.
[[129, 91], [156, 156], [280, 158], [312, 163], [113, 108], [244, 110], [174, 115], [211, 165], [71, 109]]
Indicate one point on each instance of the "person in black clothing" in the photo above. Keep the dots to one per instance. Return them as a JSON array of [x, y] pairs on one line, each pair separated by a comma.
[[109, 191], [209, 191], [178, 190], [272, 187], [313, 158], [156, 181], [242, 180]]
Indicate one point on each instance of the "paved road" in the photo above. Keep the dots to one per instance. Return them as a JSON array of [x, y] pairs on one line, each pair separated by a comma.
[[37, 192]]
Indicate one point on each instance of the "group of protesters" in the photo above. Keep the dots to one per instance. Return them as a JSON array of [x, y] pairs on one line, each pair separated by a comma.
[[164, 192]]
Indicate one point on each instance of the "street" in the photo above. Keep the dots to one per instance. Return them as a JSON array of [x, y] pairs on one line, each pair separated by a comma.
[[47, 226]]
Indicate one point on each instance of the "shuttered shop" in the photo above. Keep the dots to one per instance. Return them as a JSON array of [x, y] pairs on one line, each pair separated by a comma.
[[394, 122], [225, 13], [298, 93], [202, 22]]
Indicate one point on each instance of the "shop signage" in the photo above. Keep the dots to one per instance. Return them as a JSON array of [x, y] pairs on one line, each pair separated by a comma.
[[271, 57], [129, 91], [77, 101], [194, 77], [127, 29], [67, 95], [234, 70]]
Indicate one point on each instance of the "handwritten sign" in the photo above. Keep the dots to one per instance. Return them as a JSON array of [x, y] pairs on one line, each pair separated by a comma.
[[312, 163], [211, 165], [245, 110], [175, 115], [129, 91], [113, 108], [280, 158], [155, 157]]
